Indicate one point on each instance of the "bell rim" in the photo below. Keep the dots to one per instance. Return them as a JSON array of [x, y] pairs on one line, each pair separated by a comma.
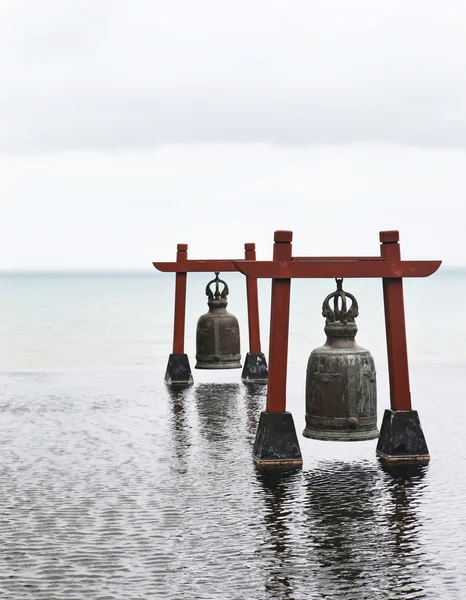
[[218, 365], [341, 435]]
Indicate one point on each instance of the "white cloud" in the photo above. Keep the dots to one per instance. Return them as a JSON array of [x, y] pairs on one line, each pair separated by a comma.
[[128, 126], [132, 74], [123, 210]]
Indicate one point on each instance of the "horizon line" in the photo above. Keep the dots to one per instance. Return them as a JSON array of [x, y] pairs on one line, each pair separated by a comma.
[[139, 271]]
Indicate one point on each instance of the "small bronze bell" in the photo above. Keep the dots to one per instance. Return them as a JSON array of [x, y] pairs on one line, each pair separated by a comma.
[[341, 393], [217, 335]]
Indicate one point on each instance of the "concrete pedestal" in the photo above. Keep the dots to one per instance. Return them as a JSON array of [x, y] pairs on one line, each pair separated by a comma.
[[178, 370], [276, 441], [401, 438], [255, 368]]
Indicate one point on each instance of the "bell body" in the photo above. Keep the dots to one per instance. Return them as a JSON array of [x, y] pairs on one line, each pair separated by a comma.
[[341, 393], [217, 338]]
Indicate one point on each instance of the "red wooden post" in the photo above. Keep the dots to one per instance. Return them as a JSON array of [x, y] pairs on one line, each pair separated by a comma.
[[279, 325], [180, 302], [400, 396], [253, 303]]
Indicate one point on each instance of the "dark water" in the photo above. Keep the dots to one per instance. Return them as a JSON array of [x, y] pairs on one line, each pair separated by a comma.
[[114, 487]]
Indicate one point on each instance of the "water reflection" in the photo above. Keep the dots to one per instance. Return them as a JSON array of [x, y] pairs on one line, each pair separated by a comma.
[[279, 488], [337, 530], [178, 397], [255, 398], [218, 408], [216, 405], [181, 429], [156, 495], [406, 555], [363, 528]]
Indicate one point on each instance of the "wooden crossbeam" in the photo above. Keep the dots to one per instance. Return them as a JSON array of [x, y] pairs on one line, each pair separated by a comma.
[[335, 258], [198, 266], [339, 268]]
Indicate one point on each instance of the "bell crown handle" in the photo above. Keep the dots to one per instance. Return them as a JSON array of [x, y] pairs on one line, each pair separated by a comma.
[[344, 314], [217, 295]]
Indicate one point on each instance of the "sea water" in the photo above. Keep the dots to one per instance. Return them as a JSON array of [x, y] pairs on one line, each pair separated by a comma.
[[113, 486]]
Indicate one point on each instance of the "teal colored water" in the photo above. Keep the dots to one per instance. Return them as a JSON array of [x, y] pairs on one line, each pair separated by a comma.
[[80, 320]]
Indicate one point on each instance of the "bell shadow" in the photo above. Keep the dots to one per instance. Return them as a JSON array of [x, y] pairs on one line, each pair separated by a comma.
[[279, 492], [219, 416], [364, 530]]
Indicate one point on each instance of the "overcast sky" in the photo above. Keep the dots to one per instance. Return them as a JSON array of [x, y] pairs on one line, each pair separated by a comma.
[[127, 126]]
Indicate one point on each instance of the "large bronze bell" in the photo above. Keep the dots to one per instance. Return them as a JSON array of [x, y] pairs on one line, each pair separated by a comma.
[[341, 393], [217, 335]]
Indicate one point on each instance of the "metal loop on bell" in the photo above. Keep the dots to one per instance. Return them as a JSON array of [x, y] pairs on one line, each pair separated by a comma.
[[343, 314], [217, 294]]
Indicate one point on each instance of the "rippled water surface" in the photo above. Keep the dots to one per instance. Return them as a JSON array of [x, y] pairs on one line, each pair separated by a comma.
[[114, 487]]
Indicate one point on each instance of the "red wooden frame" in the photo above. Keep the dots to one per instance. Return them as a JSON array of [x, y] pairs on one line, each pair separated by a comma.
[[387, 266], [183, 266]]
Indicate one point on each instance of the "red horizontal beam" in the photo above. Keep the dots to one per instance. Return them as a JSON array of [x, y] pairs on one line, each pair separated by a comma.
[[198, 266], [315, 269], [335, 258]]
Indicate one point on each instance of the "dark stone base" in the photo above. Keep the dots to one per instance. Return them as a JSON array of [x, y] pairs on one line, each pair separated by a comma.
[[401, 438], [276, 443], [255, 368], [178, 370]]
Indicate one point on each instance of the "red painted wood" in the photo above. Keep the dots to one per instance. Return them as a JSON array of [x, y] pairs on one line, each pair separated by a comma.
[[395, 326], [180, 302], [279, 326], [291, 269], [390, 236], [283, 235], [253, 303], [197, 266], [335, 258]]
